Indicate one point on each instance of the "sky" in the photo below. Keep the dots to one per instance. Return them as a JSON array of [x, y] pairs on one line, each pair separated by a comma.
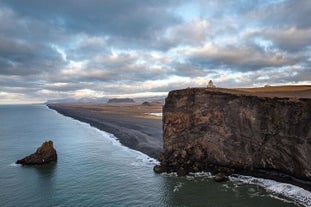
[[53, 49]]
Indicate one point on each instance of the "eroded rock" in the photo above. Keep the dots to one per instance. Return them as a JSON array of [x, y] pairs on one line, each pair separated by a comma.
[[209, 130], [219, 177], [44, 154]]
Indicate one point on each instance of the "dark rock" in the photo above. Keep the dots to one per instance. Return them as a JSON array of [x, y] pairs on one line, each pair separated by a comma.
[[44, 154], [158, 169], [182, 172], [219, 177], [146, 104], [217, 131]]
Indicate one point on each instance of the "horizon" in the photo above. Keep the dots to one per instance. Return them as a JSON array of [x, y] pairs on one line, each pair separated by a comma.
[[131, 96], [81, 49]]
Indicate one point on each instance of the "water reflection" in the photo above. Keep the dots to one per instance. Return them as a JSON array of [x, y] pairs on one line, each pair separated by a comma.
[[46, 182], [47, 170]]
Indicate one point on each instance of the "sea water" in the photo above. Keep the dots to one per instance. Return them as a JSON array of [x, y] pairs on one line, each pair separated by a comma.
[[94, 169]]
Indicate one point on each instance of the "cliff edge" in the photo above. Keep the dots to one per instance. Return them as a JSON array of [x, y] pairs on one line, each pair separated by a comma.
[[227, 131]]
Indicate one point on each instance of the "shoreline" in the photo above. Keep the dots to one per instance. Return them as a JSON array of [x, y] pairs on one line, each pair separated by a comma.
[[133, 132], [141, 133]]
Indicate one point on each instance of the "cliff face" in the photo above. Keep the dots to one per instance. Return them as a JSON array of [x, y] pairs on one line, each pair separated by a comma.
[[206, 129]]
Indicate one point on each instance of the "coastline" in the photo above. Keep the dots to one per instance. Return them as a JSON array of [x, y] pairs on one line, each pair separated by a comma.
[[297, 193], [134, 130], [142, 132], [235, 132]]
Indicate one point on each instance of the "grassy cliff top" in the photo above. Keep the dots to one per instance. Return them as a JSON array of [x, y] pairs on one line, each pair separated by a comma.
[[287, 91]]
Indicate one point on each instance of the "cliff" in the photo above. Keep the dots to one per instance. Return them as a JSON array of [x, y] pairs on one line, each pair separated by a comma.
[[236, 132]]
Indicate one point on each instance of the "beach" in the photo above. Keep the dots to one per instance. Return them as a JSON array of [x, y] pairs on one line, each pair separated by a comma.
[[136, 126]]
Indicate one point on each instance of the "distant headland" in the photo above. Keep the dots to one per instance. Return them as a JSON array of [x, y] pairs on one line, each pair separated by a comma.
[[121, 100]]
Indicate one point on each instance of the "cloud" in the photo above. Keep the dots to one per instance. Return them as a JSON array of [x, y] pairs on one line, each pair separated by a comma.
[[194, 32], [238, 58], [60, 49], [18, 57], [22, 52], [290, 39], [283, 13], [128, 18]]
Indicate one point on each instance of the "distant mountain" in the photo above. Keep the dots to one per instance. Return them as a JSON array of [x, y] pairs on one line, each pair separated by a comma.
[[80, 100], [107, 100], [121, 100]]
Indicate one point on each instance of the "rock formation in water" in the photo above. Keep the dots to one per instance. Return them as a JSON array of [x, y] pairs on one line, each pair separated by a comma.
[[213, 130], [44, 154]]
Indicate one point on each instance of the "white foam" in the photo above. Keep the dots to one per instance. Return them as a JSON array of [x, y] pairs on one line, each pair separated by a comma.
[[172, 174], [141, 158], [277, 189], [154, 114], [297, 194], [177, 187], [282, 191], [201, 174], [14, 164]]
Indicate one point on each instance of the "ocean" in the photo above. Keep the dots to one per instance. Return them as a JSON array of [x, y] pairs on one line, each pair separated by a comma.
[[94, 169]]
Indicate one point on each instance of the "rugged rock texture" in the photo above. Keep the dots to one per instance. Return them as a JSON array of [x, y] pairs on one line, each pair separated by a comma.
[[208, 129], [44, 154]]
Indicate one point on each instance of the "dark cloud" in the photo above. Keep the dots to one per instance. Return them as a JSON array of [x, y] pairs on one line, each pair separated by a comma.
[[127, 18], [238, 58], [290, 39], [86, 47], [18, 57], [55, 49], [283, 13]]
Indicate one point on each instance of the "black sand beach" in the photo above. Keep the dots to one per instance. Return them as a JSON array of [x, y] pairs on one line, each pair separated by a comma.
[[129, 123]]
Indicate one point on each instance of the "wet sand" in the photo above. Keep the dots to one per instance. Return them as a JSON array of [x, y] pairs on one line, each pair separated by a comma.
[[130, 123]]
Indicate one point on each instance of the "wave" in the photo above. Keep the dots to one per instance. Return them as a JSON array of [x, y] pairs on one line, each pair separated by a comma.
[[178, 186], [277, 189], [281, 191], [141, 158], [14, 164], [154, 114]]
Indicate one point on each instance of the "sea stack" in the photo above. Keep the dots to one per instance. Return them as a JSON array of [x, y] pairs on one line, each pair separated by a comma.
[[44, 154]]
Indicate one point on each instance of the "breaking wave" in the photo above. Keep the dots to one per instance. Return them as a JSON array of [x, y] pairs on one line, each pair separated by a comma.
[[277, 189], [154, 114]]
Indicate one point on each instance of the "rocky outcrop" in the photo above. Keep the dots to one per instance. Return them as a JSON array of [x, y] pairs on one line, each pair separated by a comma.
[[44, 154], [146, 103], [211, 130]]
